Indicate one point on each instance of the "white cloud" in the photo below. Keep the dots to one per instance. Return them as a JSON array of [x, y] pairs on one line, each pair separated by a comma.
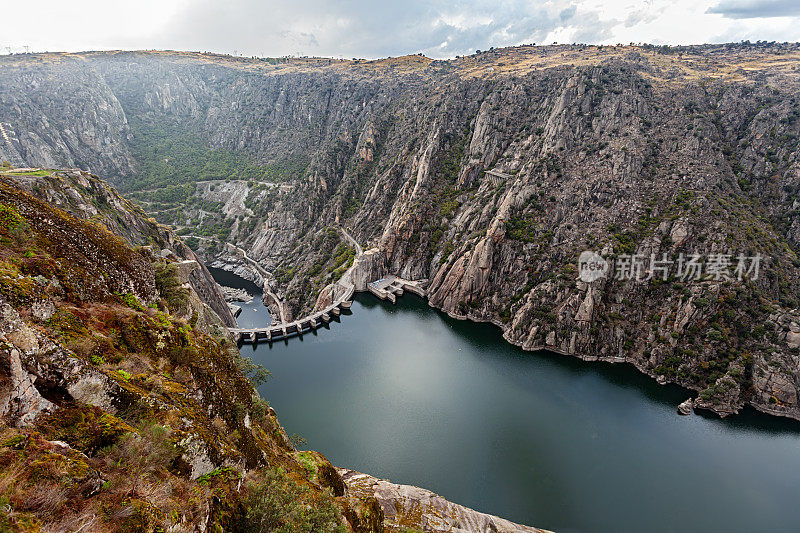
[[745, 9], [84, 24], [362, 28]]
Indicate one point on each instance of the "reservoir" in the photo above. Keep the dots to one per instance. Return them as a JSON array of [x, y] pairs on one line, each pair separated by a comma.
[[254, 313], [405, 393]]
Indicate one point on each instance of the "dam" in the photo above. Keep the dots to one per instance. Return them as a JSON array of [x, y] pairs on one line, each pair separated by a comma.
[[388, 287]]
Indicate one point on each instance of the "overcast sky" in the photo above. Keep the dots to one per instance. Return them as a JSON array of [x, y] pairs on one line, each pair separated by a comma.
[[359, 28]]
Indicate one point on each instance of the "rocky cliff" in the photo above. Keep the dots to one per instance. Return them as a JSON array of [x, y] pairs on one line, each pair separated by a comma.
[[86, 197], [84, 128], [124, 405], [489, 175]]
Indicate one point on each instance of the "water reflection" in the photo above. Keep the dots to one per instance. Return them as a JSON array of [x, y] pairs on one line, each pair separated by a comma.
[[409, 394]]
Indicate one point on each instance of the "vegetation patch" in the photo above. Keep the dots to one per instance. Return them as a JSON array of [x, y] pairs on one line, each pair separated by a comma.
[[277, 503]]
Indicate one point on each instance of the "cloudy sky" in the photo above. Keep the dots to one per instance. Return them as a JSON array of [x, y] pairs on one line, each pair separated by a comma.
[[360, 28]]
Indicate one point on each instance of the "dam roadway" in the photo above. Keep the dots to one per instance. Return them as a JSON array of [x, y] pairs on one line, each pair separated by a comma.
[[387, 288], [284, 329], [297, 327]]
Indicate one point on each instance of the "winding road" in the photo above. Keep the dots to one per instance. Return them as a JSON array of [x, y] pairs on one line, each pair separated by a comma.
[[359, 250], [264, 274]]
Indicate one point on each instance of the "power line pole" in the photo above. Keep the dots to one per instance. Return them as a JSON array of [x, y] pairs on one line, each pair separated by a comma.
[[27, 48]]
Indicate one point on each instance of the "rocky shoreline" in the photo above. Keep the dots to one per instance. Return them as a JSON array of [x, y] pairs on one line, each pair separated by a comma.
[[233, 294], [697, 402], [372, 266], [402, 504]]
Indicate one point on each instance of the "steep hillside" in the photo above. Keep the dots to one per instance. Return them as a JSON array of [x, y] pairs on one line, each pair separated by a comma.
[[124, 404], [106, 348], [488, 175]]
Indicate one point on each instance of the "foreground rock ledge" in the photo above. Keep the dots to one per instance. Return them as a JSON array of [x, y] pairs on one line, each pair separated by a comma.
[[409, 506]]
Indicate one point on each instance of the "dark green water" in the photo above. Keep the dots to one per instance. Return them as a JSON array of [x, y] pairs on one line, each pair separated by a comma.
[[254, 313], [405, 393]]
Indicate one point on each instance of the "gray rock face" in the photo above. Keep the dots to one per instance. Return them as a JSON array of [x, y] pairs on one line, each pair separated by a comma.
[[85, 127], [236, 295], [43, 310], [406, 504], [20, 400], [489, 175], [685, 408], [31, 363]]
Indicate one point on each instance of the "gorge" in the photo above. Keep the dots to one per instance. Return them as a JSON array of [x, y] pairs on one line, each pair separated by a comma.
[[408, 394], [482, 180], [488, 175], [126, 406]]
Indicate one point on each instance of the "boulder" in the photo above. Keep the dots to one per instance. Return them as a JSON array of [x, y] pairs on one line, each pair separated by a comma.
[[685, 408]]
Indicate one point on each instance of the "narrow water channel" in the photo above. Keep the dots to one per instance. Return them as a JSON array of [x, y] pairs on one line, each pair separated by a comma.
[[405, 393], [254, 313]]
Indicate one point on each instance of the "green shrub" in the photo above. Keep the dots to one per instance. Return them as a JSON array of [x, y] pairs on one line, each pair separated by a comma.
[[256, 373], [131, 301], [193, 243], [520, 228], [169, 286], [277, 504]]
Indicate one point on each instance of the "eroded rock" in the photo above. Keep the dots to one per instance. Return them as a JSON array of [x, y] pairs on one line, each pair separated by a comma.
[[406, 505]]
